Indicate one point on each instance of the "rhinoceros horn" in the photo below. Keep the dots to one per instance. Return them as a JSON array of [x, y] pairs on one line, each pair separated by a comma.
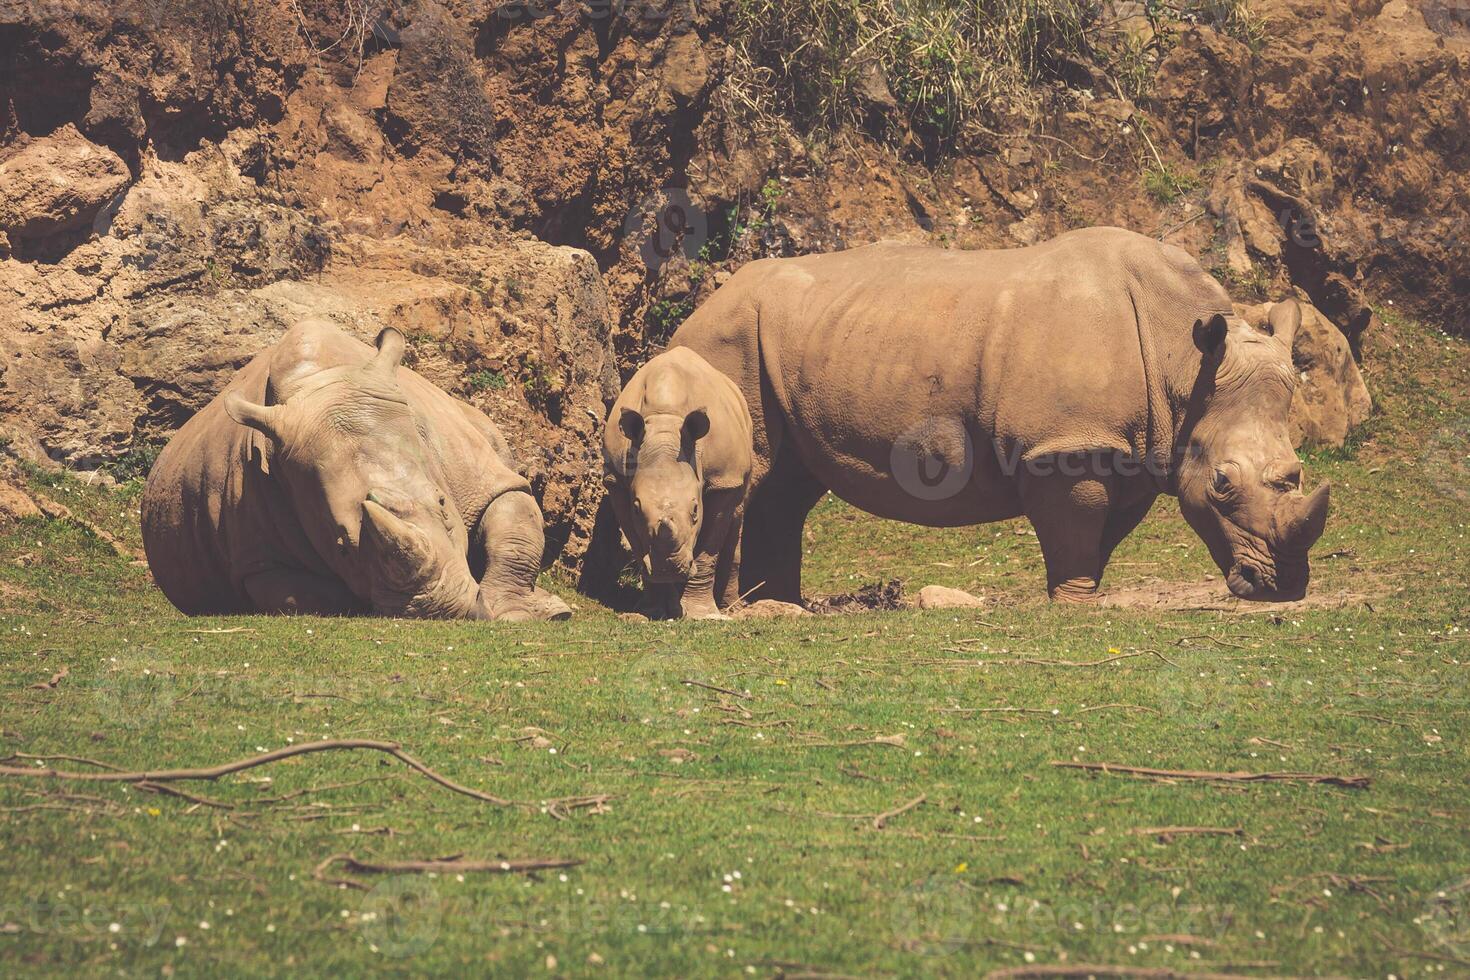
[[402, 545], [1305, 518]]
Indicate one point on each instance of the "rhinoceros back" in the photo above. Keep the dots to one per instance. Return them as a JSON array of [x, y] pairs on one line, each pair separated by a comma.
[[1078, 344], [191, 509]]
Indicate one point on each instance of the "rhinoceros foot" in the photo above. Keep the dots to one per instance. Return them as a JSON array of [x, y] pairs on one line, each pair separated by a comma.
[[539, 606]]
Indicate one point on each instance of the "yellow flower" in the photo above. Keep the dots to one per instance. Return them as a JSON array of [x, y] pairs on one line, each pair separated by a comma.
[[1114, 650], [154, 811], [961, 868], [781, 682]]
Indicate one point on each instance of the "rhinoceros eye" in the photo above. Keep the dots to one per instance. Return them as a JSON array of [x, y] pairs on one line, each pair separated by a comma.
[[1221, 483]]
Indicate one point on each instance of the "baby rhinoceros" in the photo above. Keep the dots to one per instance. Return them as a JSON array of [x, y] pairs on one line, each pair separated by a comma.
[[326, 479], [676, 458]]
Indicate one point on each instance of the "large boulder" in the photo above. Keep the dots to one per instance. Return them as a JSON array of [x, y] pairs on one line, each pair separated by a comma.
[[56, 184], [1330, 397]]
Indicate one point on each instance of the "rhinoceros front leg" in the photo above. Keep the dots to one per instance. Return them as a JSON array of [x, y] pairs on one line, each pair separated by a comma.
[[511, 534], [295, 592], [1069, 513], [699, 599]]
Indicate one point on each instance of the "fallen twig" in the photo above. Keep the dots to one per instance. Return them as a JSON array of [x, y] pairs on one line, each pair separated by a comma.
[[65, 758], [56, 678], [881, 820], [215, 772], [1084, 970], [1169, 833], [721, 690], [897, 741], [1352, 782], [167, 790], [1125, 707], [437, 866]]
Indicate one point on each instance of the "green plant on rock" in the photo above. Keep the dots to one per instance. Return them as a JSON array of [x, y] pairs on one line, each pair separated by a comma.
[[539, 382], [1166, 185], [486, 380], [665, 315]]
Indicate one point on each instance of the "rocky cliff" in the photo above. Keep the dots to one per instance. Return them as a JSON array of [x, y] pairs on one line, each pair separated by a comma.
[[538, 192]]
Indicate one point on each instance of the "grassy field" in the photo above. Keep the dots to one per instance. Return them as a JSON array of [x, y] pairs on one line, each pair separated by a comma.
[[743, 834]]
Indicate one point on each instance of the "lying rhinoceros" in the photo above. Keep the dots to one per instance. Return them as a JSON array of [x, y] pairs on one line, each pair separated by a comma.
[[1071, 382], [326, 479]]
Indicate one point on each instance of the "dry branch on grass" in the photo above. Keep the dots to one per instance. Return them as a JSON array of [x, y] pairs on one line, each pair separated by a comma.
[[1167, 834], [881, 820], [449, 865], [1351, 782], [153, 779], [1100, 971]]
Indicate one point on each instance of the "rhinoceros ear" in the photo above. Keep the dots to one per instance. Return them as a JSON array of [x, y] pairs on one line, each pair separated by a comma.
[[696, 424], [390, 344], [630, 423], [1210, 334], [263, 418], [1284, 320]]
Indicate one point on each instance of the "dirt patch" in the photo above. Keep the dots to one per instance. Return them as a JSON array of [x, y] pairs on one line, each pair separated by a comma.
[[877, 597], [1212, 595]]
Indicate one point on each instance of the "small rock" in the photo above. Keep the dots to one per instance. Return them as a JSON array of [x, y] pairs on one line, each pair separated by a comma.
[[633, 617], [16, 503], [942, 597], [770, 609]]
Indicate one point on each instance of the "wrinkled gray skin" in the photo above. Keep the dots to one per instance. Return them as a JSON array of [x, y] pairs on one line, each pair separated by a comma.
[[676, 463], [1070, 382], [1239, 482], [326, 479]]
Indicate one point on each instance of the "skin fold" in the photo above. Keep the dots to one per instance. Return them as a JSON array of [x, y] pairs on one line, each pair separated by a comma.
[[1070, 382], [327, 479], [676, 464]]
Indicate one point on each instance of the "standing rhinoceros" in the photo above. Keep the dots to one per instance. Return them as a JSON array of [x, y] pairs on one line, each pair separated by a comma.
[[676, 463], [326, 479], [1071, 382]]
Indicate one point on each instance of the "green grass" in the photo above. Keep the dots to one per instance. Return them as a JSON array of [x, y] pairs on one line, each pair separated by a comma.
[[948, 65], [486, 380], [1007, 856]]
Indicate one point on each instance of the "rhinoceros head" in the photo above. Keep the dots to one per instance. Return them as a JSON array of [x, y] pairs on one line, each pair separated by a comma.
[[666, 487], [347, 448], [1239, 481]]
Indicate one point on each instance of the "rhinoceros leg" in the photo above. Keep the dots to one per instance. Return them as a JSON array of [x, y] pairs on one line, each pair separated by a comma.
[[293, 591], [770, 546], [700, 596], [1120, 523], [727, 572], [511, 534], [1069, 514]]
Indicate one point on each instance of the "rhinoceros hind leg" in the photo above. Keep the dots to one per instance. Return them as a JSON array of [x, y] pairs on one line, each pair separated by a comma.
[[770, 545], [1069, 514], [727, 572], [295, 592], [1120, 523]]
